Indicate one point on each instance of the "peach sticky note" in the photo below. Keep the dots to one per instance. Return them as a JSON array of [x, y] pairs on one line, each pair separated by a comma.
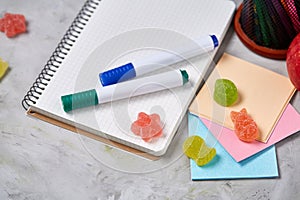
[[264, 93], [288, 124]]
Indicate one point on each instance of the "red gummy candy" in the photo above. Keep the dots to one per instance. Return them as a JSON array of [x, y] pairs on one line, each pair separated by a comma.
[[12, 24], [244, 126], [147, 126]]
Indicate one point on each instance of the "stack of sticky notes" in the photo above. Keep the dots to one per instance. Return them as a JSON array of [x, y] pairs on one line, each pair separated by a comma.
[[265, 95]]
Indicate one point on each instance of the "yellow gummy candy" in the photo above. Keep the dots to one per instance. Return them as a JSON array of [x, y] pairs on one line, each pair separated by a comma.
[[3, 67], [195, 148]]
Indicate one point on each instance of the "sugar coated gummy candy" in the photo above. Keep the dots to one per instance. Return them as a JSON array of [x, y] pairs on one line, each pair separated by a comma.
[[195, 148], [244, 126], [12, 24], [147, 126], [225, 92], [3, 68]]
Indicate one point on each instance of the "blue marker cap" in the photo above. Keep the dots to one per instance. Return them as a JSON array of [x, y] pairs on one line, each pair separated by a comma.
[[118, 74], [215, 40]]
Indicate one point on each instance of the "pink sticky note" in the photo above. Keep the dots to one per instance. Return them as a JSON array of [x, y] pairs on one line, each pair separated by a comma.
[[288, 124]]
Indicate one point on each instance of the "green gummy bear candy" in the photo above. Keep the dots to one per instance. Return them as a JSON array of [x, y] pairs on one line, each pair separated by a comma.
[[225, 92]]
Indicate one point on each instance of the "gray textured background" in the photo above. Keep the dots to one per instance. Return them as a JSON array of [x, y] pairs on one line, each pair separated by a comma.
[[41, 161]]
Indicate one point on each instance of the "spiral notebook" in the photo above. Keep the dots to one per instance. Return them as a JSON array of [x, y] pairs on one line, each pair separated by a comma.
[[106, 34]]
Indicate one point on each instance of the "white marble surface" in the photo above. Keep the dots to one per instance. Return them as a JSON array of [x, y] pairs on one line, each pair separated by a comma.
[[41, 161]]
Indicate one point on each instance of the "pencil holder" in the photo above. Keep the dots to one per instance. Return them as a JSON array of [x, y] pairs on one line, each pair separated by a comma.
[[267, 27]]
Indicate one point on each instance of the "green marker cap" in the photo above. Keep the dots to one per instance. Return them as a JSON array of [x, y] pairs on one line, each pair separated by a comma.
[[185, 76], [79, 100]]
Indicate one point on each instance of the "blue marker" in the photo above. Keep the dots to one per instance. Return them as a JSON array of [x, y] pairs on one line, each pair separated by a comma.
[[157, 61]]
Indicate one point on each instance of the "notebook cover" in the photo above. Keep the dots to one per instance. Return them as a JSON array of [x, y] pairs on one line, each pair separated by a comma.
[[91, 135]]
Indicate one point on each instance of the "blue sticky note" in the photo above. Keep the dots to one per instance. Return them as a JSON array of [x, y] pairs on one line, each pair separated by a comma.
[[223, 166]]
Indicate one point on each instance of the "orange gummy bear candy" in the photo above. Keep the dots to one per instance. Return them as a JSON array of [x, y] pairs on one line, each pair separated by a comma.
[[244, 126], [147, 126]]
